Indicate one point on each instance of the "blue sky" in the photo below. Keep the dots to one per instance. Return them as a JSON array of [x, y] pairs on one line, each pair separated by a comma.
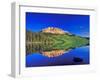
[[75, 24]]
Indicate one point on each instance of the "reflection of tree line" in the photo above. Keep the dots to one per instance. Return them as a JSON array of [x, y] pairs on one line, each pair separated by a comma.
[[45, 50], [32, 48]]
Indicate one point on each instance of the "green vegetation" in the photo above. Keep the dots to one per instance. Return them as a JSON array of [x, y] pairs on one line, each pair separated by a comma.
[[47, 41]]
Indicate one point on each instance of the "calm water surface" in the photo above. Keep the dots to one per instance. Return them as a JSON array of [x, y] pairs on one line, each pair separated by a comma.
[[75, 56]]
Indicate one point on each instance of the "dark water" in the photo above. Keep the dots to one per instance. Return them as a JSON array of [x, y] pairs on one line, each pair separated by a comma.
[[75, 56]]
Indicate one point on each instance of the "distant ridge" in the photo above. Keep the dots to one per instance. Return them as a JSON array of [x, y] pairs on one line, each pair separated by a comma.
[[54, 30]]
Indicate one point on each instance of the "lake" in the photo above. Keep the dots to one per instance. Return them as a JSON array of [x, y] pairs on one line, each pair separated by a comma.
[[77, 56]]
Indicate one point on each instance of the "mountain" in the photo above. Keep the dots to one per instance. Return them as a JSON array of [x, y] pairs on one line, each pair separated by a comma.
[[54, 30]]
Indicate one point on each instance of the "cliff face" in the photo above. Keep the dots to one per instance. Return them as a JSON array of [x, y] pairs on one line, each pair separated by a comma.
[[53, 30]]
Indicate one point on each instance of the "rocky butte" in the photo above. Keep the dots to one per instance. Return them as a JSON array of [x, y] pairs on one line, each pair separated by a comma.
[[54, 30]]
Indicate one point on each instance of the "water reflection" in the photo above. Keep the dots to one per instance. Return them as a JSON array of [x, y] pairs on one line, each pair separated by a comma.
[[41, 57], [33, 48], [45, 50], [53, 53]]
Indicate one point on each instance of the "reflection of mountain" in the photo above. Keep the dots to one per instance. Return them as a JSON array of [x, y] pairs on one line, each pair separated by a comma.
[[52, 39], [53, 53]]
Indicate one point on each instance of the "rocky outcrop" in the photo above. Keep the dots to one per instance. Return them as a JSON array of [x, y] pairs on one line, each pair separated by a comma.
[[53, 30]]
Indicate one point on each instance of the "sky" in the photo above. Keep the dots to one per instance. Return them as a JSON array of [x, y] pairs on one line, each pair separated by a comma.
[[75, 24]]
